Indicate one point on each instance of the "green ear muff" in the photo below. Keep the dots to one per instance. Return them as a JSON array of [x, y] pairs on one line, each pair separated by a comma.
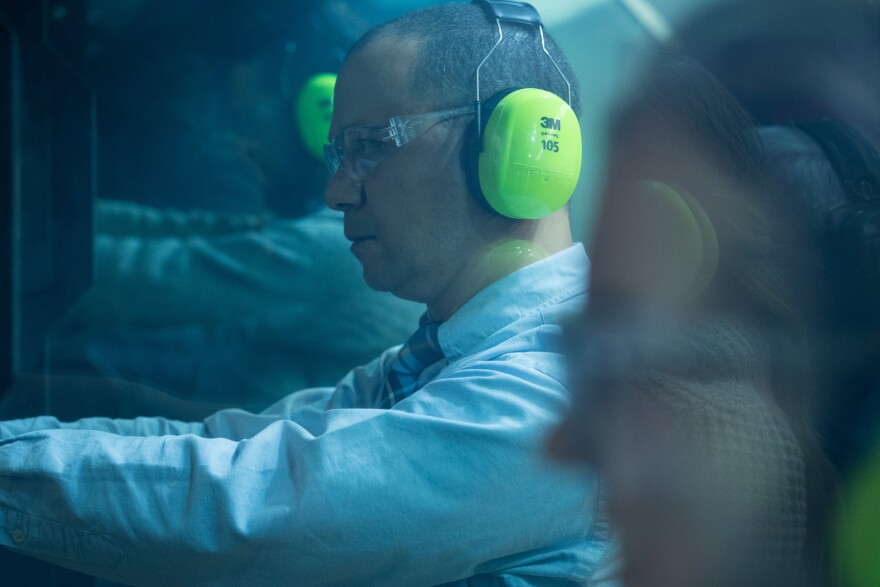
[[531, 154], [857, 528], [314, 108], [655, 242]]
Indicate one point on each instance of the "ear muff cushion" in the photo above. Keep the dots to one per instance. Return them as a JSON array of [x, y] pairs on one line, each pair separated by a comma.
[[709, 244], [531, 154], [473, 146], [314, 108], [654, 242]]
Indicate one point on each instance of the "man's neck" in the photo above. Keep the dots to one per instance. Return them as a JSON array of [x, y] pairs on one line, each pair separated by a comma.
[[499, 259]]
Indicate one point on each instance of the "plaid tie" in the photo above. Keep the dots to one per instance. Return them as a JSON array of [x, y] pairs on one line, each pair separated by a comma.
[[421, 350]]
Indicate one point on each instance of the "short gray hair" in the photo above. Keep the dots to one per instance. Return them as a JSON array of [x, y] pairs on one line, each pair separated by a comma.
[[454, 38]]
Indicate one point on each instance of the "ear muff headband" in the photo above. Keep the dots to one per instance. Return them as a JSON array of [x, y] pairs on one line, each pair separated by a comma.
[[314, 109], [530, 142], [531, 154]]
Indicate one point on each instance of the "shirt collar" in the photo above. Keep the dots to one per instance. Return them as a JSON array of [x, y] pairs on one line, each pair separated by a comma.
[[525, 291]]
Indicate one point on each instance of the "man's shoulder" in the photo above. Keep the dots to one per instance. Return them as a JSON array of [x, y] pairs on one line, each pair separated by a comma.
[[530, 332], [527, 353]]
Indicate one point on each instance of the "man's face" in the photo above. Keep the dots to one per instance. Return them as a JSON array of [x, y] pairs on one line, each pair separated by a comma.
[[413, 225]]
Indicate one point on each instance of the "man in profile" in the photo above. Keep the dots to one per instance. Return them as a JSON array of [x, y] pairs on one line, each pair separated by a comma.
[[422, 467]]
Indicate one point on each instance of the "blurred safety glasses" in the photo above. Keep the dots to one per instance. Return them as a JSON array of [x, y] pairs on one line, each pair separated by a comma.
[[357, 150]]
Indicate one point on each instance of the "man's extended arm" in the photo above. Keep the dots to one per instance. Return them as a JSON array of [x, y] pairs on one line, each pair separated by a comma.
[[437, 489]]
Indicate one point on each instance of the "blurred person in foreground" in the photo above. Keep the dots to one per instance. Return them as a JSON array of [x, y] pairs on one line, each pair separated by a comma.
[[690, 358], [708, 394], [423, 466], [809, 73]]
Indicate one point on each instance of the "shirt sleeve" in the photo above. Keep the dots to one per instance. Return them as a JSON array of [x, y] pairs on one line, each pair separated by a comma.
[[232, 424], [133, 427], [446, 485]]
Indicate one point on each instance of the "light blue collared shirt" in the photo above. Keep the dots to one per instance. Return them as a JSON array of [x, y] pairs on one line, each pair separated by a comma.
[[448, 486]]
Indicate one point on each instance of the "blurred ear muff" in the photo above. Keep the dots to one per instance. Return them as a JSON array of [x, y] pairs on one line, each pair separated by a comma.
[[314, 109], [530, 153], [654, 242]]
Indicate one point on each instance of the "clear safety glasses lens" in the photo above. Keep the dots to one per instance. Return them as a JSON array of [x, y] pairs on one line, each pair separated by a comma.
[[358, 150]]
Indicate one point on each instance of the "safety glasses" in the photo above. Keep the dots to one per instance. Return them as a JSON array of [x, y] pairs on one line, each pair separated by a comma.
[[357, 150]]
